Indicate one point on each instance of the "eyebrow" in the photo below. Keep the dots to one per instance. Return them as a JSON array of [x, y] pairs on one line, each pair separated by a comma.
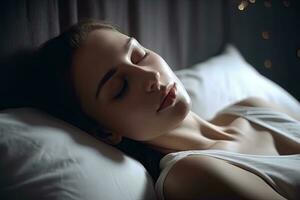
[[109, 74]]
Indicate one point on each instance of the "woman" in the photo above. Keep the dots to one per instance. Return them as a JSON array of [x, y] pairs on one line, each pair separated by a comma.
[[106, 82]]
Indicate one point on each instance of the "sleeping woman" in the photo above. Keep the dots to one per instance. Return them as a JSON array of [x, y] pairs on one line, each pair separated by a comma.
[[106, 82]]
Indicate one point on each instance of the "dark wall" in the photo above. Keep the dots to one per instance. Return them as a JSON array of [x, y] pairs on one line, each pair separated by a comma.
[[268, 35], [183, 32]]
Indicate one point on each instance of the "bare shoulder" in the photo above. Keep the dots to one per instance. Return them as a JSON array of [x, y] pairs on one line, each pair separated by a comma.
[[258, 102], [224, 119], [197, 177]]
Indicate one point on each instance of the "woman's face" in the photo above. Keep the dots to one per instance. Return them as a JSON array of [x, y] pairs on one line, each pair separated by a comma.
[[123, 85]]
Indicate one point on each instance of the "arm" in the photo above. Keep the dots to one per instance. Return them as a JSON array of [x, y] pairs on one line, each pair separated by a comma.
[[197, 177], [258, 102]]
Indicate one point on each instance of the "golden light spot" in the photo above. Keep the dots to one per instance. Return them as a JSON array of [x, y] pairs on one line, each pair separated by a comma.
[[298, 53], [243, 5], [286, 3], [265, 35], [252, 1], [268, 4], [268, 63]]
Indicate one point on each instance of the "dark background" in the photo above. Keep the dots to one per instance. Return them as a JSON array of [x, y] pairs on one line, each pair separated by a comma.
[[184, 32], [277, 56]]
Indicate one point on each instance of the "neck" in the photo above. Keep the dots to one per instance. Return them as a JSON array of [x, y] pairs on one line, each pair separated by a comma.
[[193, 133]]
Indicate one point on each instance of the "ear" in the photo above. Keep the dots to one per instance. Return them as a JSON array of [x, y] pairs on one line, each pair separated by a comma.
[[113, 138], [106, 136]]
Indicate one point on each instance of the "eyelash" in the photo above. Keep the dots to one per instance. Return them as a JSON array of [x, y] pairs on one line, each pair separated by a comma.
[[136, 54], [124, 88], [146, 54]]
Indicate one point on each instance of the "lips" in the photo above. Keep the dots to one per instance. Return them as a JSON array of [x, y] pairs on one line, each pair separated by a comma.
[[169, 98]]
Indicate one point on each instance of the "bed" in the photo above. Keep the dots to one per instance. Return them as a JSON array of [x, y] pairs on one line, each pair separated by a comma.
[[43, 157]]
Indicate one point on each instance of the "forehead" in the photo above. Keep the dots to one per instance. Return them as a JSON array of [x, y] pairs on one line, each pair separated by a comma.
[[102, 41], [100, 52]]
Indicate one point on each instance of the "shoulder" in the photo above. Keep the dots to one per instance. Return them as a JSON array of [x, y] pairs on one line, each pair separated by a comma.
[[258, 102], [223, 119], [196, 177]]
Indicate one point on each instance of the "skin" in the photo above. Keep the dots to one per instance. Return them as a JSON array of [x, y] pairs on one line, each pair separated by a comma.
[[176, 128], [134, 115]]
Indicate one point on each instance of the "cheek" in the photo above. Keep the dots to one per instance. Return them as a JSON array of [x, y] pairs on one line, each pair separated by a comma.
[[164, 66]]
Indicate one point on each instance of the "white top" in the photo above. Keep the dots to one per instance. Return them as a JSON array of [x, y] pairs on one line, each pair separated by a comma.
[[282, 172]]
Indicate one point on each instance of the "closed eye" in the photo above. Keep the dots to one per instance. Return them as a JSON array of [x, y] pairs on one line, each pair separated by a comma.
[[123, 90], [138, 55], [146, 55]]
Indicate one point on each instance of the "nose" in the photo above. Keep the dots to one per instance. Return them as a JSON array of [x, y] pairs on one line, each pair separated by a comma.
[[147, 77], [152, 83]]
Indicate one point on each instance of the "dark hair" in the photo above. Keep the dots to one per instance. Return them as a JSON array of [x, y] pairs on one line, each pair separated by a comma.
[[53, 85]]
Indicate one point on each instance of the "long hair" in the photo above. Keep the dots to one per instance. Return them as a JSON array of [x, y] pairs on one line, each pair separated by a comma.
[[51, 82]]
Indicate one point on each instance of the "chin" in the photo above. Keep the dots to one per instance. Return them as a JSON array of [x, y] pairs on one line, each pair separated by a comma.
[[179, 113], [184, 98], [184, 104], [183, 108]]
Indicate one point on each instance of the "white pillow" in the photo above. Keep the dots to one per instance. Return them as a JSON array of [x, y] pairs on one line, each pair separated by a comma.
[[228, 78], [44, 158]]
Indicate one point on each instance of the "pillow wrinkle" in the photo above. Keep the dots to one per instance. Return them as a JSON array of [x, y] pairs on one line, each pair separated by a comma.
[[45, 158]]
